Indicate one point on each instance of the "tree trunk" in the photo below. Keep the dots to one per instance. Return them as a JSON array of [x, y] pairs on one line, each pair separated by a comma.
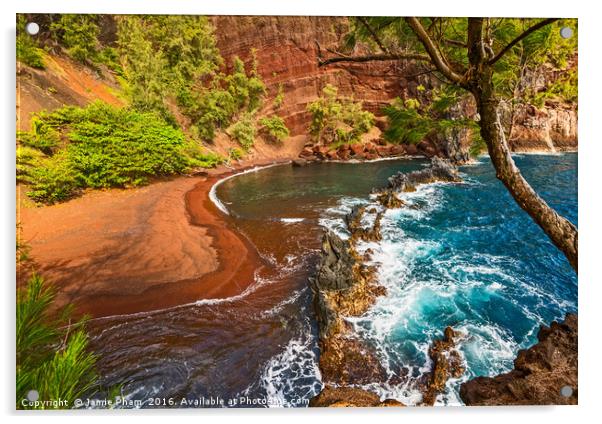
[[560, 231]]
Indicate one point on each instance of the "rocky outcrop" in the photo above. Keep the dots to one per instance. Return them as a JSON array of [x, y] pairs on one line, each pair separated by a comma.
[[441, 170], [531, 129], [544, 374], [345, 286], [360, 151], [447, 363], [341, 397]]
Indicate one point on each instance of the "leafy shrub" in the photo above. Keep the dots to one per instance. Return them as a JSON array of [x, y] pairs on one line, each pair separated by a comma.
[[275, 127], [52, 356], [79, 34], [28, 51], [105, 146], [247, 89], [235, 154], [279, 99], [244, 131], [338, 120]]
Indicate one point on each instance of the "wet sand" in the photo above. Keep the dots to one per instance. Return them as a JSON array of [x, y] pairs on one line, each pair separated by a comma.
[[126, 251]]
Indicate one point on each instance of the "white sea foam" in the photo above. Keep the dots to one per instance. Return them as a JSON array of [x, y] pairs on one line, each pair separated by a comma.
[[292, 374], [291, 220]]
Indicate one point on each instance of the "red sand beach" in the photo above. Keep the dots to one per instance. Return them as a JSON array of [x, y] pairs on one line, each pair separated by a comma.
[[125, 251]]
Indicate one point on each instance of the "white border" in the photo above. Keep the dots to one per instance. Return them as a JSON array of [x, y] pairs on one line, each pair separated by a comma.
[[590, 213]]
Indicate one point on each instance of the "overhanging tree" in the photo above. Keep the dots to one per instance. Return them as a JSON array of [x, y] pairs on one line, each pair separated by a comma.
[[475, 54]]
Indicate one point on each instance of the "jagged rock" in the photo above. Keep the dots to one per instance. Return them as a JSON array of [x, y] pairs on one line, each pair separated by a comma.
[[447, 363], [335, 271], [389, 200], [440, 170], [345, 360], [539, 373], [357, 149], [341, 397]]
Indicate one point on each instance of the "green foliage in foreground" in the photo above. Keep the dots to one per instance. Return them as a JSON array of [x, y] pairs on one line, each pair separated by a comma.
[[28, 51], [275, 128], [410, 122], [101, 146], [52, 356], [337, 120]]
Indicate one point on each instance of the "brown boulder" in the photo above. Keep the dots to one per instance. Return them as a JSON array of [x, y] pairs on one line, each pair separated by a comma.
[[371, 156], [397, 150], [344, 155], [332, 155], [383, 151], [411, 149], [356, 149]]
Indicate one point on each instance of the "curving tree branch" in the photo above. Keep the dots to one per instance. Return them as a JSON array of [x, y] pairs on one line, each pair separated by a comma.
[[525, 34], [376, 57], [433, 51]]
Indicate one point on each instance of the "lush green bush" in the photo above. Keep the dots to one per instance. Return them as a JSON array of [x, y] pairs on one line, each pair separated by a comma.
[[104, 146], [244, 131], [337, 120], [79, 34], [235, 154], [52, 356], [279, 99], [275, 128], [28, 51], [247, 89]]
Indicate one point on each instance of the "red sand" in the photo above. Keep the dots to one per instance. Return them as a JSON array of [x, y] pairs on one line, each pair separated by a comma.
[[126, 251]]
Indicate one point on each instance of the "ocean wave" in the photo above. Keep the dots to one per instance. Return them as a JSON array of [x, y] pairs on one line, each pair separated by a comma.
[[292, 374]]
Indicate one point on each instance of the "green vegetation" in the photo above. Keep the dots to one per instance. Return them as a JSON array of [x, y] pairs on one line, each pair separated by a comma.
[[279, 99], [79, 35], [244, 131], [275, 128], [410, 121], [28, 51], [337, 120], [215, 107], [176, 57], [164, 56], [101, 146], [235, 154], [52, 353]]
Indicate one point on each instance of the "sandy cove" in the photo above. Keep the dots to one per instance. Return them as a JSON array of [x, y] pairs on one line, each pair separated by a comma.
[[126, 251]]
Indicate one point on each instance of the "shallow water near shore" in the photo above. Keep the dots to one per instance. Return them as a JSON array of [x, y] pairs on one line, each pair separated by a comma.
[[466, 256]]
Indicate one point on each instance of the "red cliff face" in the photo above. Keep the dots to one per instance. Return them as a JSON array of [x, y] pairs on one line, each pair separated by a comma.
[[287, 52]]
